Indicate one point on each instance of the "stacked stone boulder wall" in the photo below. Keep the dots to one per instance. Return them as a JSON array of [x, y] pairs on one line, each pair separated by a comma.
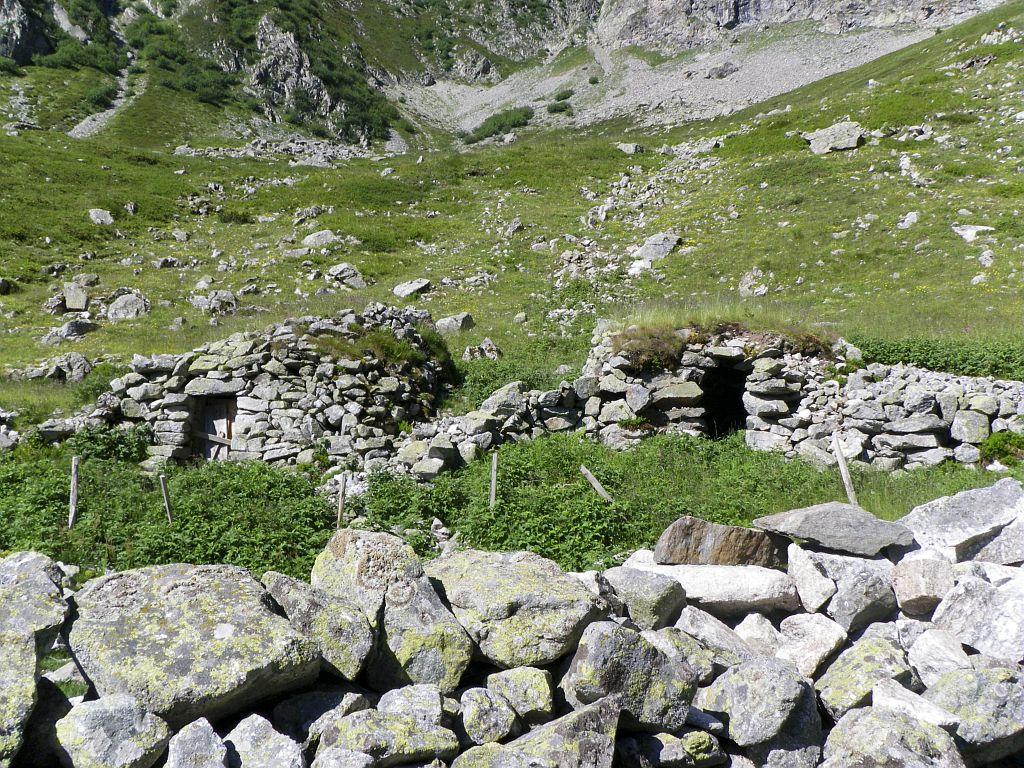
[[900, 648]]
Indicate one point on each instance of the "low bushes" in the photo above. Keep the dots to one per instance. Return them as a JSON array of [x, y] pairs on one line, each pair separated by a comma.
[[502, 122], [1002, 359]]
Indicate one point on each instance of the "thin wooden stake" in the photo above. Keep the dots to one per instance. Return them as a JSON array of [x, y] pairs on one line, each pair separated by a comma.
[[73, 501], [167, 498], [844, 471], [494, 479], [341, 499], [595, 484]]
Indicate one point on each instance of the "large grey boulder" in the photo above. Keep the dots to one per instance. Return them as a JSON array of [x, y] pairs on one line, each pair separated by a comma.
[[864, 591], [254, 743], [521, 609], [411, 287], [891, 696], [528, 690], [338, 627], [111, 732], [768, 708], [197, 745], [808, 640], [486, 716], [676, 644], [39, 748], [32, 598], [17, 690], [836, 138], [921, 582], [655, 688], [936, 652], [692, 541], [723, 590], [582, 739], [390, 739], [335, 757], [729, 648], [128, 306], [837, 527], [813, 586], [418, 638], [962, 523], [423, 702], [652, 599], [986, 617], [463, 321], [187, 641], [848, 681], [877, 737], [990, 706]]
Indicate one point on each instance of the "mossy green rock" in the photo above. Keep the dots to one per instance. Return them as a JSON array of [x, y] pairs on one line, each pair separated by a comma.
[[338, 627], [690, 748], [188, 641], [528, 690], [702, 660], [655, 689], [17, 691], [390, 739], [767, 706], [990, 705], [111, 732], [520, 608], [892, 739], [849, 679], [418, 638], [31, 599], [582, 739]]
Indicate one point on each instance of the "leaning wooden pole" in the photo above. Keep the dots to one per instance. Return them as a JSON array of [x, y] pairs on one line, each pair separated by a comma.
[[494, 480], [844, 470], [73, 498], [167, 498], [595, 484], [341, 500]]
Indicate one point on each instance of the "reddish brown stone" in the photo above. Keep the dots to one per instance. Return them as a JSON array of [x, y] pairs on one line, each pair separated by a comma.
[[692, 541]]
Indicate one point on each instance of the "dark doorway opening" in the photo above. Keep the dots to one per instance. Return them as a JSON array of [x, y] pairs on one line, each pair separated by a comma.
[[723, 400], [214, 427]]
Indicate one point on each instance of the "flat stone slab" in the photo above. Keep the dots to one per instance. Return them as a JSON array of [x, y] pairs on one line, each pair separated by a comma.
[[838, 527], [188, 641], [962, 523], [692, 541], [724, 590]]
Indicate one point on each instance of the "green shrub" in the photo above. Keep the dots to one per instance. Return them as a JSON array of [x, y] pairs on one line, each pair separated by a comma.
[[101, 96], [10, 67], [564, 95], [250, 514], [559, 106], [500, 123], [1004, 447], [127, 445], [594, 80], [1002, 359]]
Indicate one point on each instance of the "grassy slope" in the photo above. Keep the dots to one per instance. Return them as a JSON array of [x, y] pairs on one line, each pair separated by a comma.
[[445, 217]]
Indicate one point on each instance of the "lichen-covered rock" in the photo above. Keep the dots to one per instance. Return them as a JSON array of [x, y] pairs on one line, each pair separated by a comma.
[[422, 702], [582, 739], [768, 708], [986, 617], [872, 736], [890, 695], [848, 681], [521, 609], [808, 640], [864, 591], [653, 600], [655, 689], [390, 739], [187, 641], [111, 732], [339, 628], [934, 653], [342, 758], [39, 748], [32, 598], [418, 638], [486, 716], [838, 527], [197, 745], [528, 690], [17, 690], [254, 743], [689, 748], [990, 705], [304, 716], [676, 644]]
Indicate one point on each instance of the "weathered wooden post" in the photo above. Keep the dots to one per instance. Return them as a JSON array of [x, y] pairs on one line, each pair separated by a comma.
[[595, 484], [494, 479], [73, 500], [844, 471], [167, 498], [341, 500]]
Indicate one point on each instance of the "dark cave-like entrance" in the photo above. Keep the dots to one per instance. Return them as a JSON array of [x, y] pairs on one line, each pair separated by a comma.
[[723, 400]]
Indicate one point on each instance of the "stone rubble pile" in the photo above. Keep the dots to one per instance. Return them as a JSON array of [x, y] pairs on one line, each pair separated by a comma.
[[819, 637]]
